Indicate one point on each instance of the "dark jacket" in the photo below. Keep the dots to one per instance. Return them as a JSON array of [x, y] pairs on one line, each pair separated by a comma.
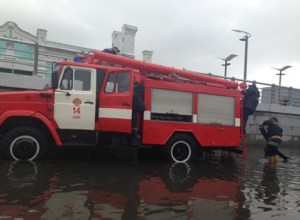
[[274, 128], [138, 103], [251, 96], [109, 50], [274, 133]]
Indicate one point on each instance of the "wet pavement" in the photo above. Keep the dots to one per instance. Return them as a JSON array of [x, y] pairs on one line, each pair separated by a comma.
[[78, 184]]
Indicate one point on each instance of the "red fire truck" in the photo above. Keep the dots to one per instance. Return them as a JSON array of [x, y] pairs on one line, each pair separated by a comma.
[[88, 104]]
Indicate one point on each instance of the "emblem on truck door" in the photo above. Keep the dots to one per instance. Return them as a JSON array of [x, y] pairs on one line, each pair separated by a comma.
[[76, 110], [77, 101]]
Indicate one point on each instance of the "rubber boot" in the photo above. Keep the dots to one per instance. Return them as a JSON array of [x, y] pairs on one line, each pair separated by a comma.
[[271, 159], [272, 165], [136, 140], [125, 140]]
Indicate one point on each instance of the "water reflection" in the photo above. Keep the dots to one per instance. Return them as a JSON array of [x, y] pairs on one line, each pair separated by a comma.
[[109, 189], [270, 185], [205, 192], [272, 191], [22, 174], [80, 187]]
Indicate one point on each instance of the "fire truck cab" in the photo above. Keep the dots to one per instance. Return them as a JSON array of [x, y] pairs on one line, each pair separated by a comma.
[[90, 103]]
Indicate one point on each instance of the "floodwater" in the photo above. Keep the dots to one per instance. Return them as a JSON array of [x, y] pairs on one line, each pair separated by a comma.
[[78, 184]]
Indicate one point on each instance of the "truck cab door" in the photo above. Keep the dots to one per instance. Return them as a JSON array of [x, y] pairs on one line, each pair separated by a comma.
[[115, 102], [75, 99]]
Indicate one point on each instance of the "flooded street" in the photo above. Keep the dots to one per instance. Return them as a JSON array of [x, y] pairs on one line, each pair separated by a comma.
[[82, 185]]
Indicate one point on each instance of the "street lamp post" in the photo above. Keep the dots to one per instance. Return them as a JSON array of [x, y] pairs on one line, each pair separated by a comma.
[[230, 57], [280, 72], [245, 38]]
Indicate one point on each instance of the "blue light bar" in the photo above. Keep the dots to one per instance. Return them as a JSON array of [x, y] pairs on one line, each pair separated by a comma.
[[76, 59]]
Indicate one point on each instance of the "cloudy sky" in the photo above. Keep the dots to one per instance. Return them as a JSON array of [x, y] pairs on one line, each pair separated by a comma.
[[188, 34]]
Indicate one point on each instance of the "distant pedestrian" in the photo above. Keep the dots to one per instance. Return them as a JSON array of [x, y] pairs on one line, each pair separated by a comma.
[[250, 102], [274, 136], [113, 50]]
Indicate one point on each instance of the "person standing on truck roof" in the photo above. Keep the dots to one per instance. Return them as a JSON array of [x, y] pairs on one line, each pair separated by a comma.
[[274, 138], [138, 106], [250, 102], [113, 50]]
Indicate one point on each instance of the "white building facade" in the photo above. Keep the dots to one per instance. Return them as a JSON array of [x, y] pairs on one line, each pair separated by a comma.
[[24, 54]]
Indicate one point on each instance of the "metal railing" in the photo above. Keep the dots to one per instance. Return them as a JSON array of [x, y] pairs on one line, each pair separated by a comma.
[[270, 93]]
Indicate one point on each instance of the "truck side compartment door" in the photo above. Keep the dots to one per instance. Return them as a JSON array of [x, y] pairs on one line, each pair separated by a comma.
[[115, 105], [218, 113], [75, 99]]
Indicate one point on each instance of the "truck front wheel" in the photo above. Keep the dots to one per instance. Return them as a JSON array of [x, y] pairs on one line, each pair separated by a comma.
[[180, 148], [24, 143]]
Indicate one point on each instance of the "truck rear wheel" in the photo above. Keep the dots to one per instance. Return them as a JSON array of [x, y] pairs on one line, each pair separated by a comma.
[[24, 143], [180, 148]]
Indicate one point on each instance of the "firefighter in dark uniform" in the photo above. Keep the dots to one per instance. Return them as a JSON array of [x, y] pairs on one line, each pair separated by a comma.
[[113, 50], [250, 102], [274, 138], [138, 106]]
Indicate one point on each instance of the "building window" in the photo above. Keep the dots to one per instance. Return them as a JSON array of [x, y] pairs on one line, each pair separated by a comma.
[[2, 46], [20, 72], [26, 53]]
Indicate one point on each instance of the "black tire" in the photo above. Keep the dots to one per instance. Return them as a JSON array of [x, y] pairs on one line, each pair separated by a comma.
[[180, 148], [24, 143]]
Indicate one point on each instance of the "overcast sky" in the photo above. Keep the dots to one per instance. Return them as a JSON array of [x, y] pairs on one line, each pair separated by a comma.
[[188, 34]]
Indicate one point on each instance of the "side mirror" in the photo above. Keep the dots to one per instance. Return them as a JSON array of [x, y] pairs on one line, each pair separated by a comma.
[[54, 80]]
